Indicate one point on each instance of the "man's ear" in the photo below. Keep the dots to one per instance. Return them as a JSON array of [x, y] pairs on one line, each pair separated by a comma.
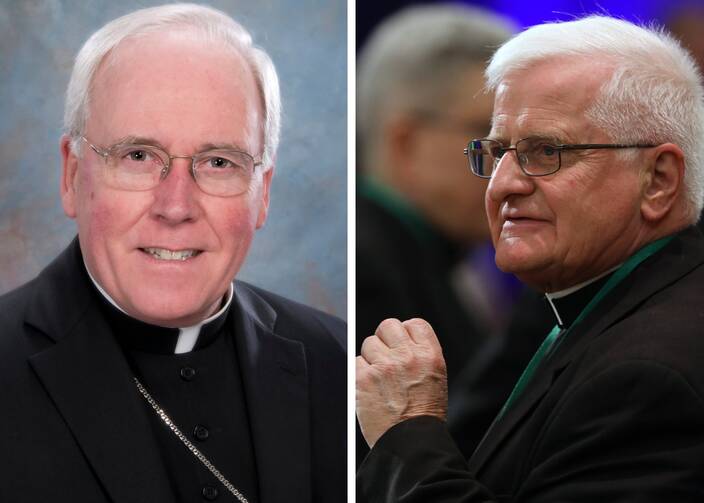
[[68, 177], [399, 135], [264, 206], [662, 182]]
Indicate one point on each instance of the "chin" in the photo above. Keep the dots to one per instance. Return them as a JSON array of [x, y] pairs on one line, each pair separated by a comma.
[[171, 310], [522, 265]]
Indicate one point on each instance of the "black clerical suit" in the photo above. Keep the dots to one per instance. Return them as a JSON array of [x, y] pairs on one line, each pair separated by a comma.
[[404, 271], [76, 429], [614, 414]]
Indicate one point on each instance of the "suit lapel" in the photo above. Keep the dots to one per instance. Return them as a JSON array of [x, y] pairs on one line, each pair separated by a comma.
[[276, 389], [677, 259], [89, 380]]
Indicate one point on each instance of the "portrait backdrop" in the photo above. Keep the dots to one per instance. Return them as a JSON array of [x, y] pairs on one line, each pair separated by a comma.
[[300, 253]]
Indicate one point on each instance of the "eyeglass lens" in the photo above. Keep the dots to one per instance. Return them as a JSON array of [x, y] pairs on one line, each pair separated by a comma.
[[142, 167], [536, 156]]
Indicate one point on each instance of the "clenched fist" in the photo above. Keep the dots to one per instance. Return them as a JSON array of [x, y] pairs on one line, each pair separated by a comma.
[[400, 374]]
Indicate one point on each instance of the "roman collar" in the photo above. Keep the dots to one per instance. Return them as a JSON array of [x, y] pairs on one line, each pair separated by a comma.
[[139, 335], [568, 303]]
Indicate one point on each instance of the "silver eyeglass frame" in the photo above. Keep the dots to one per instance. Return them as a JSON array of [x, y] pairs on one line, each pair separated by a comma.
[[105, 153]]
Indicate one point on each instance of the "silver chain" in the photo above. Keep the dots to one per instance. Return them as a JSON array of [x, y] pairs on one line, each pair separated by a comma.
[[194, 450]]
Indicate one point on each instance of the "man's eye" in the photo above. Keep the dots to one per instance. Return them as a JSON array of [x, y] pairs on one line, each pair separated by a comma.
[[220, 162], [547, 150], [137, 155]]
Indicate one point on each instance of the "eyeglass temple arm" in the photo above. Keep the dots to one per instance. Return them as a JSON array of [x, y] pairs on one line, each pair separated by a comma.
[[588, 146]]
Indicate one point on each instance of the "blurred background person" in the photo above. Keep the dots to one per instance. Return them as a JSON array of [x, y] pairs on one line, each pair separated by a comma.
[[686, 22], [422, 238], [368, 14], [419, 97]]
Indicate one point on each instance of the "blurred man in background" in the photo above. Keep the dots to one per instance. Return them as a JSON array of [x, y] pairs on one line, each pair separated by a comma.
[[420, 212]]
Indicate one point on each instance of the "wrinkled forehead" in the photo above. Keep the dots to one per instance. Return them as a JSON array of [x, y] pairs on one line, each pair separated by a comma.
[[555, 89]]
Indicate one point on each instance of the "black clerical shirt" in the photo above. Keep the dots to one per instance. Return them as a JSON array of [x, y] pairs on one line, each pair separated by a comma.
[[568, 307], [201, 391]]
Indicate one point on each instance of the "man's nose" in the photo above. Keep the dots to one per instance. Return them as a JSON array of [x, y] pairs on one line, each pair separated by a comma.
[[508, 178], [176, 198]]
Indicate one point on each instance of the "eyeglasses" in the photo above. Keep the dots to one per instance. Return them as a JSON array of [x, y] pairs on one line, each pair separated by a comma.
[[218, 172], [536, 156]]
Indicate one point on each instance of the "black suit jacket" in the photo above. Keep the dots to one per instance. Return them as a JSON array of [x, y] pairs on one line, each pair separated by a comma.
[[615, 414], [407, 274], [74, 427], [404, 271]]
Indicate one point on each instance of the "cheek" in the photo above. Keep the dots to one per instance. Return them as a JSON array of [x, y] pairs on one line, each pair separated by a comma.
[[102, 212], [234, 221]]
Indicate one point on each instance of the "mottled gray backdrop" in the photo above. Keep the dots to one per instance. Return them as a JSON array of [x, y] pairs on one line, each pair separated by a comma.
[[301, 253]]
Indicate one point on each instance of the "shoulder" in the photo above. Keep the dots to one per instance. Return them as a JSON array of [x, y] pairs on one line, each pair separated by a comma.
[[14, 301], [649, 355], [294, 320], [664, 329], [13, 306], [17, 339], [655, 315]]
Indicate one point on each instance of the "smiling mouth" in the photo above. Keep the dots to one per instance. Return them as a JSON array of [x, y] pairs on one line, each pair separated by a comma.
[[518, 222], [164, 254]]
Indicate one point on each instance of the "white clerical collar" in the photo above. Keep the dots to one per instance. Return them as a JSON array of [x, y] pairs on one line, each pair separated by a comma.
[[187, 336], [568, 291]]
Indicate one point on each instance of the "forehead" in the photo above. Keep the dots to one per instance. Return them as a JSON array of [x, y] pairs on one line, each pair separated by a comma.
[[172, 85], [548, 98]]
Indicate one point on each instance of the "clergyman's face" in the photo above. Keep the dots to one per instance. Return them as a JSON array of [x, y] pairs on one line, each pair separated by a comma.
[[559, 230], [183, 95]]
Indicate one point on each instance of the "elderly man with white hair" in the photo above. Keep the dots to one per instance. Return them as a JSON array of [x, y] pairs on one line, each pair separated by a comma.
[[596, 168], [133, 367]]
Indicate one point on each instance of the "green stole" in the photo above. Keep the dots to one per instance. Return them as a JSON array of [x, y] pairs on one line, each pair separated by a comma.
[[548, 344]]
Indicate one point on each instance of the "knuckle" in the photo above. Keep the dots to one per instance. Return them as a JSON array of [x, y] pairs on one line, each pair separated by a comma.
[[439, 363], [368, 343], [418, 323], [364, 380], [386, 325]]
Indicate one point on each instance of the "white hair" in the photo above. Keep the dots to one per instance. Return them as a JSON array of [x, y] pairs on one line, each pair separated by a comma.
[[212, 25], [654, 95], [413, 61]]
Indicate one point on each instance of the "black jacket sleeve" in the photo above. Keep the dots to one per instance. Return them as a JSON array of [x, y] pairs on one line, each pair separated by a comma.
[[633, 432]]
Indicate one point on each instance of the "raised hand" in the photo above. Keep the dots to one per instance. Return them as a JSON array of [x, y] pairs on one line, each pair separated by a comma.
[[400, 374]]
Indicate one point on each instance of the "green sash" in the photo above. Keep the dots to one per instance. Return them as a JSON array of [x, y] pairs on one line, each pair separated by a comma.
[[544, 349]]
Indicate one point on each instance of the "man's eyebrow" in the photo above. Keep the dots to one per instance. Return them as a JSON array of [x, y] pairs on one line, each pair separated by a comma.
[[140, 140], [221, 146], [147, 140], [548, 137]]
